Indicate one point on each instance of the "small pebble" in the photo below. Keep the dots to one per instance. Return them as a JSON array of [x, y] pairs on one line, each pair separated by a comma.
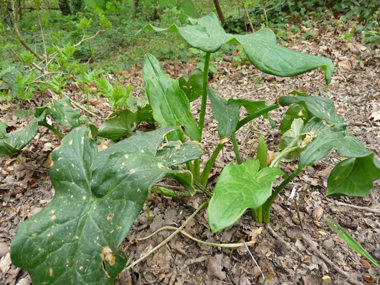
[[317, 213], [294, 232], [328, 244]]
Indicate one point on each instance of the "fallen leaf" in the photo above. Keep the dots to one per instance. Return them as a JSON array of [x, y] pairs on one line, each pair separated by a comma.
[[5, 263], [271, 156], [95, 101], [375, 115], [346, 64]]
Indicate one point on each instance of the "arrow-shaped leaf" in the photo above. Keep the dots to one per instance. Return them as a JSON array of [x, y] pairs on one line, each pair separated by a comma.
[[240, 187], [207, 34], [75, 239], [169, 103], [320, 107], [353, 177]]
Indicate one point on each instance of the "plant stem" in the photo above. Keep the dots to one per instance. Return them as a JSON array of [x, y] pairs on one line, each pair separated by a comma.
[[202, 188], [147, 209], [197, 169], [209, 164], [204, 95], [236, 149], [268, 204], [167, 239], [277, 160], [255, 115], [54, 130], [190, 167], [259, 214]]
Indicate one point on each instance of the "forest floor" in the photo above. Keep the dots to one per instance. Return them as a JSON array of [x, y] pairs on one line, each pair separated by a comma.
[[25, 187]]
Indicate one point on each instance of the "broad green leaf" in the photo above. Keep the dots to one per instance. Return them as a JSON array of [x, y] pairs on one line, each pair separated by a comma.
[[20, 112], [169, 103], [119, 127], [3, 129], [329, 138], [163, 3], [295, 111], [262, 152], [18, 140], [227, 115], [62, 112], [207, 34], [142, 107], [75, 239], [320, 107], [193, 86], [353, 177], [240, 187], [351, 241], [172, 153], [292, 137], [6, 67], [187, 7]]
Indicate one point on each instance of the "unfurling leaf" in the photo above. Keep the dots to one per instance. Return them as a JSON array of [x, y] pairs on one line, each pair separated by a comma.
[[240, 187]]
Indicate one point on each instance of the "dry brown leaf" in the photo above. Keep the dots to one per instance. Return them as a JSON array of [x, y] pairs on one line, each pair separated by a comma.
[[375, 115], [346, 64], [271, 156], [361, 47], [102, 146], [95, 101]]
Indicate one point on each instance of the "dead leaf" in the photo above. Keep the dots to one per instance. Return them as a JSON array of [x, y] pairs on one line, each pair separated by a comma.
[[95, 101], [215, 267], [346, 64], [5, 263], [271, 156], [102, 146], [375, 115], [361, 47]]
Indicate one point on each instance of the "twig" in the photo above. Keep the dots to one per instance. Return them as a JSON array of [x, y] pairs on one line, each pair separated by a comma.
[[281, 239], [298, 214], [227, 245], [43, 38], [359, 207], [19, 35], [246, 13], [167, 239], [324, 257], [84, 109], [318, 252], [254, 260], [265, 11]]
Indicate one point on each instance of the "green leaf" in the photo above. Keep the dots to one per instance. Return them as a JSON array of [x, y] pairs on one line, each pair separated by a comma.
[[119, 127], [207, 34], [320, 107], [18, 140], [292, 137], [295, 111], [75, 239], [6, 67], [351, 241], [163, 3], [172, 153], [353, 177], [187, 7], [328, 138], [169, 103], [193, 86], [20, 112], [240, 187], [262, 152], [227, 115], [3, 129]]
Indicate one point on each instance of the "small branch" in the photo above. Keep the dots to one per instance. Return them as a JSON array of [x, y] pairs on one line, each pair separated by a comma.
[[262, 274], [359, 208], [167, 239], [19, 35], [226, 245], [249, 19], [236, 149], [43, 38]]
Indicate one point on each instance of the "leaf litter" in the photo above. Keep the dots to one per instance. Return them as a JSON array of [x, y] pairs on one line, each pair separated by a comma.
[[355, 88]]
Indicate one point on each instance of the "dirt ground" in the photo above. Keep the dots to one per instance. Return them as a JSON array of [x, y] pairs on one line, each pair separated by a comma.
[[278, 250]]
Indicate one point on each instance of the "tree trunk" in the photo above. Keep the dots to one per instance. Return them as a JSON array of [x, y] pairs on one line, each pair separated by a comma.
[[220, 13], [64, 5]]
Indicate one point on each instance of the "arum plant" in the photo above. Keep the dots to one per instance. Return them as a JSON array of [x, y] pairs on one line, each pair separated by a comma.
[[311, 128]]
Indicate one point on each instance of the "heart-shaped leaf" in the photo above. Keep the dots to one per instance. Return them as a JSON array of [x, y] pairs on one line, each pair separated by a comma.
[[353, 177], [75, 239], [169, 103], [207, 34], [319, 107], [227, 115], [240, 187], [292, 137]]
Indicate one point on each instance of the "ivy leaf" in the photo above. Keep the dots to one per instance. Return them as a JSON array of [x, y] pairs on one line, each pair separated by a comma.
[[319, 107], [75, 238], [353, 177], [208, 35], [169, 103], [240, 187], [227, 115], [328, 138]]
